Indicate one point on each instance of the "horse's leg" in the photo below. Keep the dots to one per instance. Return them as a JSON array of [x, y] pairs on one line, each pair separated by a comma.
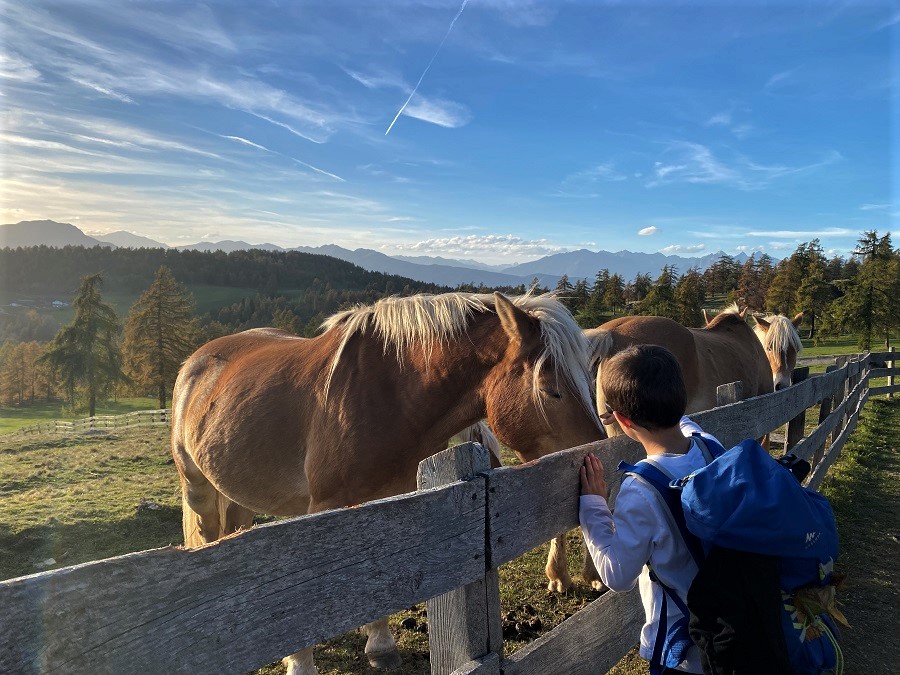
[[381, 650], [301, 663], [200, 519], [589, 571], [234, 516], [557, 566]]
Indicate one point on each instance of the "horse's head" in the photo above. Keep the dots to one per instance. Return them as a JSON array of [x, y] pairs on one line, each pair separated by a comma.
[[781, 341], [538, 396]]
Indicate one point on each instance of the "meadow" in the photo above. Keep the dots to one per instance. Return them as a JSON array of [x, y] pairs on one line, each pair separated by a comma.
[[70, 499]]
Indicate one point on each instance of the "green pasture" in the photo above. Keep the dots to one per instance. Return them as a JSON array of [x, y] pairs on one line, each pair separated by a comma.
[[13, 418], [70, 499]]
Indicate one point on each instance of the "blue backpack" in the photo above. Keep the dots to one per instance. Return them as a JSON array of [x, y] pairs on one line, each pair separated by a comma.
[[745, 500]]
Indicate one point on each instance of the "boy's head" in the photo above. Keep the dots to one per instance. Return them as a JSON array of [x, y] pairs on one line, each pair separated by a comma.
[[644, 383]]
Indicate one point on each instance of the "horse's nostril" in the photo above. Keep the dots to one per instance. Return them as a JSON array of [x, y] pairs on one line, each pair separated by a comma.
[[779, 386]]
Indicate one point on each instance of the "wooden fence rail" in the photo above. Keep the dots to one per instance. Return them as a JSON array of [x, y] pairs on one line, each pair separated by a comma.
[[137, 418], [254, 597]]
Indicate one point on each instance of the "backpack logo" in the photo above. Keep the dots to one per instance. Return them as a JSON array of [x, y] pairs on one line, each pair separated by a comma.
[[811, 539]]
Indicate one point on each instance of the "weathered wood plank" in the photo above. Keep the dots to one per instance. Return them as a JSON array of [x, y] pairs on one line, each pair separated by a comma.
[[591, 641], [532, 503], [249, 599], [818, 447], [755, 417], [881, 391], [818, 475], [892, 365], [729, 393], [817, 438], [487, 665], [884, 372], [464, 623]]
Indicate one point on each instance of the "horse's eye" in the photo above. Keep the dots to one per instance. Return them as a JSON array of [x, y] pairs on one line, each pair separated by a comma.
[[551, 393]]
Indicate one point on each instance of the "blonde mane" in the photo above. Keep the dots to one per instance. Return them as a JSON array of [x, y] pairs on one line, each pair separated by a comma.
[[431, 320], [780, 336]]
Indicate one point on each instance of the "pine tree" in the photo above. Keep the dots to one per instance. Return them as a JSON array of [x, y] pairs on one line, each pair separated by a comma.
[[614, 295], [85, 351], [660, 300], [689, 296], [159, 334]]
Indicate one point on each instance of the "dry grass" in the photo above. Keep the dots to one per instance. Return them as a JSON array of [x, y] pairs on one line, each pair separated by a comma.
[[75, 499]]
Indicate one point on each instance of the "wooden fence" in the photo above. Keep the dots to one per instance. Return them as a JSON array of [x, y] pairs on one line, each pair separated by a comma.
[[255, 597], [138, 418]]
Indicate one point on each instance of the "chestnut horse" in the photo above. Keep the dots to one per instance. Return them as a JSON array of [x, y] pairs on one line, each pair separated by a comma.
[[726, 350], [781, 341], [267, 422]]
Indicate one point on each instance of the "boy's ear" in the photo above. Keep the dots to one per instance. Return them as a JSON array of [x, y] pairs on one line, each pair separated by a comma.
[[623, 421]]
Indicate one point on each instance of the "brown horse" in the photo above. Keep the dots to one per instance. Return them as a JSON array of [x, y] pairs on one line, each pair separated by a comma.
[[727, 350], [266, 422]]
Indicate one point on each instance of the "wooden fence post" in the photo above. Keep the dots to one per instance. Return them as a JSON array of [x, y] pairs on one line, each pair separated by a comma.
[[840, 395], [729, 393], [797, 426], [891, 376], [824, 412], [464, 624]]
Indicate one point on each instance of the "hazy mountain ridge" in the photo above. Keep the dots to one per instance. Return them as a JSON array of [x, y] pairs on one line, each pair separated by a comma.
[[580, 264]]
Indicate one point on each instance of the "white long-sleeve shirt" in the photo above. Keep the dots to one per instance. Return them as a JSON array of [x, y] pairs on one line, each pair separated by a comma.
[[639, 531]]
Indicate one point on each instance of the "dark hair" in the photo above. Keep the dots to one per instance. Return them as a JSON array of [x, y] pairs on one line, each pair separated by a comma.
[[645, 384]]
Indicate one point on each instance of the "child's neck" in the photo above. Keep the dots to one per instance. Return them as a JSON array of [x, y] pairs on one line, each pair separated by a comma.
[[665, 441]]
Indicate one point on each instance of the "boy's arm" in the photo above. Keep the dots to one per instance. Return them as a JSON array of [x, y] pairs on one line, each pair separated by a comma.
[[620, 544]]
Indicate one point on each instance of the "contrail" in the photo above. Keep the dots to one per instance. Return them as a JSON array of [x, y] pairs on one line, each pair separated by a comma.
[[436, 52]]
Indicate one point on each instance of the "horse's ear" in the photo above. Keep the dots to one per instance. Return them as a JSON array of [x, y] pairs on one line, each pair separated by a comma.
[[742, 312], [518, 325], [762, 323], [797, 320], [705, 316]]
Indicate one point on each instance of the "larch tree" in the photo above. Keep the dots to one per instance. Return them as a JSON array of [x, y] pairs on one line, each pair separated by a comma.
[[160, 332], [85, 352]]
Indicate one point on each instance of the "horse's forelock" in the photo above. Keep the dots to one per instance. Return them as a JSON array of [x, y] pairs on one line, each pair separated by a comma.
[[781, 335]]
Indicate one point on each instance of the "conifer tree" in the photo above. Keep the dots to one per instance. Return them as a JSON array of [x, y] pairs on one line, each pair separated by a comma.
[[159, 334], [85, 351]]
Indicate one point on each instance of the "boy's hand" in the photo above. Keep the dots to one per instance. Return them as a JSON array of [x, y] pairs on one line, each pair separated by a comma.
[[592, 480]]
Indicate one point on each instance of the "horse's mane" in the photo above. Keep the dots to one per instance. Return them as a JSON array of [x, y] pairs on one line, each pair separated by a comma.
[[430, 320], [729, 315], [781, 334]]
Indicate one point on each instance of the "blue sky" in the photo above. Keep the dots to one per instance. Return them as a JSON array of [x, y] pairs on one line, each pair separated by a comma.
[[539, 127]]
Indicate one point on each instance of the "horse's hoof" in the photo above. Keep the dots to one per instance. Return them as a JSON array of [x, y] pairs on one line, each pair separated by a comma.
[[598, 585], [558, 586], [385, 660]]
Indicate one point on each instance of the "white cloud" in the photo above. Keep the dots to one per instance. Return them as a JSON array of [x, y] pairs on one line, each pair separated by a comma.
[[238, 139], [444, 113], [722, 119], [647, 231], [687, 162], [799, 234], [682, 248], [14, 68], [777, 78], [875, 207], [495, 245]]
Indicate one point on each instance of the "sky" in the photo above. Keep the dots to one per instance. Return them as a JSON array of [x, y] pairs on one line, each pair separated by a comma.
[[517, 129]]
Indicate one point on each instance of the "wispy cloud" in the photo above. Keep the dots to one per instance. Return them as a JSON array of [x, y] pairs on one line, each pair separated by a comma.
[[647, 231], [682, 248], [424, 72], [244, 141], [722, 119], [687, 162], [779, 77], [875, 207], [13, 67], [484, 244], [799, 234], [438, 111]]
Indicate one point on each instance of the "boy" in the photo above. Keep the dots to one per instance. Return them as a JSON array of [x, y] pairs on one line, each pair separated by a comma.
[[645, 392]]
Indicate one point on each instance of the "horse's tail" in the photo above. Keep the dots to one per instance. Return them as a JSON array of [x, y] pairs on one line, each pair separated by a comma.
[[601, 341]]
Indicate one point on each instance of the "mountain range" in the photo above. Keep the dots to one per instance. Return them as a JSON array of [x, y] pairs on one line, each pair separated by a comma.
[[580, 264]]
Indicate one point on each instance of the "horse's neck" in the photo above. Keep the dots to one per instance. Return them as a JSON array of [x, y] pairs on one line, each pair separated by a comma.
[[437, 391]]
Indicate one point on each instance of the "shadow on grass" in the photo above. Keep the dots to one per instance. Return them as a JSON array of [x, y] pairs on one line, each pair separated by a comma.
[[23, 552]]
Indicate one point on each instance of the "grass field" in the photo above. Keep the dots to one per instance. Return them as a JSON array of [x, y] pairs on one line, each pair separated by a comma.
[[66, 500], [13, 418]]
